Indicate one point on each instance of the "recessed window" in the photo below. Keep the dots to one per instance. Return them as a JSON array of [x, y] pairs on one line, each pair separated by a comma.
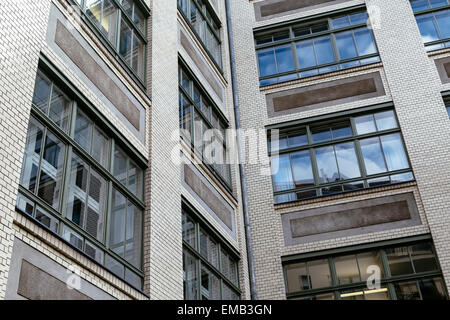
[[67, 177], [343, 155], [199, 16], [204, 255], [433, 20], [399, 279], [312, 49], [122, 23]]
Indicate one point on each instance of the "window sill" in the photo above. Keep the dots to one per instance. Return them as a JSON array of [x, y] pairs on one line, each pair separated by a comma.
[[343, 195], [320, 76], [78, 251]]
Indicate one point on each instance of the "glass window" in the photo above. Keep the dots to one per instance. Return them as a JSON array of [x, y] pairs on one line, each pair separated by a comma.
[[385, 120], [394, 152], [399, 261], [346, 45], [423, 257], [302, 169], [326, 163], [201, 257], [297, 277], [45, 218], [104, 14], [324, 50], [364, 42], [347, 269], [281, 173], [432, 289], [373, 156], [347, 161], [428, 28], [369, 259], [305, 53], [319, 273], [407, 290]]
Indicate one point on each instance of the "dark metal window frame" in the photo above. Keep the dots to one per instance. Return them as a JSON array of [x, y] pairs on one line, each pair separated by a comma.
[[202, 7], [293, 39], [113, 48], [222, 245], [355, 138], [388, 280], [204, 93], [71, 146]]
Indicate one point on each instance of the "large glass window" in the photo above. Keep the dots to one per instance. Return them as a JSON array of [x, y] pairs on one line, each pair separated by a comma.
[[344, 275], [210, 271], [343, 155], [319, 47], [123, 24], [206, 26], [203, 126], [433, 20], [78, 183]]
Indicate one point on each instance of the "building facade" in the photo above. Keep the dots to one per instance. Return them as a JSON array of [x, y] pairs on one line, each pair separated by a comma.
[[224, 149]]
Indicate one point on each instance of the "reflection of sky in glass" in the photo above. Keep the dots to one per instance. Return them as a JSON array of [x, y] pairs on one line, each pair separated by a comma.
[[284, 58], [394, 152], [301, 168], [347, 161], [364, 42], [373, 158], [326, 163], [281, 173], [427, 28], [266, 61]]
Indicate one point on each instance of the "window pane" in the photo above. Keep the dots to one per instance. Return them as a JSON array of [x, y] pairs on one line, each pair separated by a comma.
[[266, 62], [407, 290], [94, 252], [297, 278], [321, 134], [60, 109], [326, 164], [297, 140], [126, 37], [341, 131], [373, 157], [399, 261], [365, 42], [233, 271], [302, 169], [358, 18], [385, 120], [345, 44], [432, 289], [76, 204], [423, 257], [377, 294], [133, 238], [137, 56], [340, 22], [210, 285], [24, 204], [319, 273], [120, 166], [135, 180], [438, 3], [47, 219], [367, 259], [347, 161], [33, 147], [96, 205], [133, 278], [347, 269], [115, 266], [100, 151], [41, 92], [185, 116], [228, 293], [365, 124], [443, 21], [83, 130], [225, 264], [117, 223], [51, 170], [190, 276], [281, 173], [104, 13], [208, 248], [394, 152], [324, 50], [72, 237], [285, 61], [402, 177], [139, 19], [427, 28], [189, 231], [418, 5], [305, 54]]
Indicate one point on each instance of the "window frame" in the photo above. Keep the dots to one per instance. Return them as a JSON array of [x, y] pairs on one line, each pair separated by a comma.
[[114, 48], [355, 138], [194, 82], [292, 40], [443, 41], [387, 280], [201, 224], [71, 147], [204, 6]]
